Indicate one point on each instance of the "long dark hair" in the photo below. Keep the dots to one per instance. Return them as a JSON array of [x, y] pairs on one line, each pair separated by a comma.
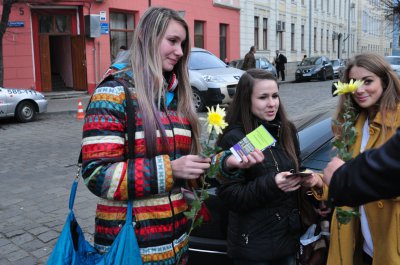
[[239, 112]]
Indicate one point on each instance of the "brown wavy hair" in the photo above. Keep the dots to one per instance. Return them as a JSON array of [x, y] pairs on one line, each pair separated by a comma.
[[390, 98]]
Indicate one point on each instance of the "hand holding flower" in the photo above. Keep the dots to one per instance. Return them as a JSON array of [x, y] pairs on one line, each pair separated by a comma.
[[190, 166]]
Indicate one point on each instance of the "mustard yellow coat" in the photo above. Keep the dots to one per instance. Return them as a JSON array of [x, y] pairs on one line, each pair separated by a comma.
[[383, 216]]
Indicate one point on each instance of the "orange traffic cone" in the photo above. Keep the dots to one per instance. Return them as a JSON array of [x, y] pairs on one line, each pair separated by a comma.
[[80, 115]]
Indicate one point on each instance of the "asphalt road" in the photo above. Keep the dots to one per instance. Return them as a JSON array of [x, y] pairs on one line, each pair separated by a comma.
[[38, 166]]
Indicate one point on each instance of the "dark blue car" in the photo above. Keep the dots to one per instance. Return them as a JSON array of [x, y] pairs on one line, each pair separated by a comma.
[[319, 67]]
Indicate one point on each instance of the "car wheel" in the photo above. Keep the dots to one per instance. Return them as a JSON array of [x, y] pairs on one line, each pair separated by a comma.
[[25, 111], [198, 101], [323, 75]]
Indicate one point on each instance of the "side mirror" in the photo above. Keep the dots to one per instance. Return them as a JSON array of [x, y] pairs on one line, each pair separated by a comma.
[[334, 88]]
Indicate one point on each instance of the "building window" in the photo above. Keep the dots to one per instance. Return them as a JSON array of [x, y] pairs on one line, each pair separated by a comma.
[[315, 39], [327, 40], [333, 44], [55, 24], [223, 32], [292, 37], [265, 33], [121, 31], [322, 40], [199, 34], [302, 38], [256, 32], [334, 7]]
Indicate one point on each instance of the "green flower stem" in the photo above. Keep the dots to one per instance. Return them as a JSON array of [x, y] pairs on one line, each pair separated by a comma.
[[343, 142]]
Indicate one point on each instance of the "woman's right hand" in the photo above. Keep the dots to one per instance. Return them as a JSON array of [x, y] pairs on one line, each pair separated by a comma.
[[250, 160], [190, 166], [287, 184]]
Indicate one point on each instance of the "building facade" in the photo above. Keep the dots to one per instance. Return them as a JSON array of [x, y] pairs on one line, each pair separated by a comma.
[[70, 44], [334, 28]]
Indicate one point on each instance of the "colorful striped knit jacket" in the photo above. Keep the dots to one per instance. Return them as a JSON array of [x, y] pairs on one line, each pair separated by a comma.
[[161, 227]]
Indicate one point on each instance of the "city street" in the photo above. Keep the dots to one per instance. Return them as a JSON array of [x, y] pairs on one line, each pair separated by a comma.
[[38, 165]]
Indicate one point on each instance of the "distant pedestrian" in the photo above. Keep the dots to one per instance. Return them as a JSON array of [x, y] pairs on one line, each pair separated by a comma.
[[280, 61], [249, 59], [226, 60], [122, 55]]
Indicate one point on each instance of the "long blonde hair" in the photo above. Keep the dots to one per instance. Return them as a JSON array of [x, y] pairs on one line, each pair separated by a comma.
[[149, 80]]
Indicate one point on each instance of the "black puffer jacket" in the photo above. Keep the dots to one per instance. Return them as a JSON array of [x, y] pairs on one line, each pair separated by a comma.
[[264, 221]]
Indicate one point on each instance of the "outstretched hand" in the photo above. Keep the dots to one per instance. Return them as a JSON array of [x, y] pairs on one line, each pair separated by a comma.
[[190, 166], [248, 161], [334, 164], [312, 180]]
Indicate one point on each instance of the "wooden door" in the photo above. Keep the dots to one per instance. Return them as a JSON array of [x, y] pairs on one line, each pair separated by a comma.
[[78, 53], [45, 62]]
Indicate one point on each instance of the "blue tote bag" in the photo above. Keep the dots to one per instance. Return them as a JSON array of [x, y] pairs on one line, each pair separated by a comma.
[[72, 247]]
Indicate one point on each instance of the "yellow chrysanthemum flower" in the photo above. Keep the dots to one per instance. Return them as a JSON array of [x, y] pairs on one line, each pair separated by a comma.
[[215, 119], [344, 88]]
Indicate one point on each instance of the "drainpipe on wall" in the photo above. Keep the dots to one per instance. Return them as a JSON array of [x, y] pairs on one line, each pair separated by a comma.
[[95, 62], [98, 44], [309, 29]]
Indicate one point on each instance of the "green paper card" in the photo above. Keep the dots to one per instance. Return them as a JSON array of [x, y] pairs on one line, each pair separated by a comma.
[[259, 139]]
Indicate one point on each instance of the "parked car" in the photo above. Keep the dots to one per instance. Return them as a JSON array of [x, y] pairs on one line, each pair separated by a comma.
[[394, 62], [318, 67], [261, 63], [213, 82], [338, 67], [23, 104], [207, 243]]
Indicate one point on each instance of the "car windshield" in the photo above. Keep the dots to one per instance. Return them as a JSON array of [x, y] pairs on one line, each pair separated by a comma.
[[311, 61], [204, 60], [262, 63], [335, 63], [393, 60]]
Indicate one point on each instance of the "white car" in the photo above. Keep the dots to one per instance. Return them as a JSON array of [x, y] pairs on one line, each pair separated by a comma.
[[213, 82], [394, 62], [23, 104]]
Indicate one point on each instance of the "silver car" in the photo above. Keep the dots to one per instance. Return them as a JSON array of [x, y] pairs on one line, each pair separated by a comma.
[[213, 82], [338, 67], [394, 62], [23, 104]]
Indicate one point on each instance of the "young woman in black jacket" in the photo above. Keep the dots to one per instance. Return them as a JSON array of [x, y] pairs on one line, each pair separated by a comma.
[[264, 221]]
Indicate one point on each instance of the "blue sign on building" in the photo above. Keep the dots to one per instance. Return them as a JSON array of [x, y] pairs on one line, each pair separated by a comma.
[[16, 24], [103, 28]]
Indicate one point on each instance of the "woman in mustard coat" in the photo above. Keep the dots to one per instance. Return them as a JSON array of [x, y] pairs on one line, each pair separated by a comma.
[[374, 237]]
